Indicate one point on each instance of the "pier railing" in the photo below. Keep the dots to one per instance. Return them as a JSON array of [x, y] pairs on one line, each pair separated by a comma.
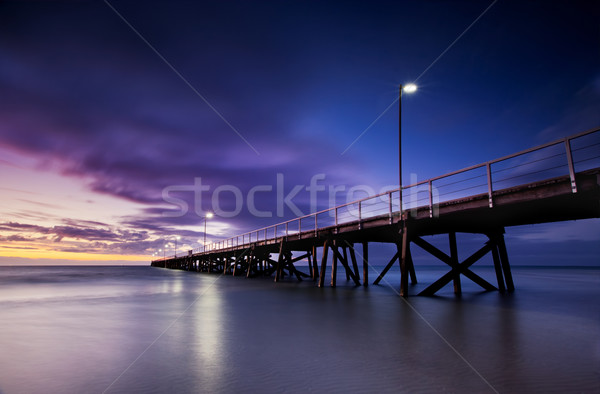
[[562, 157]]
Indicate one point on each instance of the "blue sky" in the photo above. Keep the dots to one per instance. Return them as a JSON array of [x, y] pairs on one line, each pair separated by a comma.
[[103, 105]]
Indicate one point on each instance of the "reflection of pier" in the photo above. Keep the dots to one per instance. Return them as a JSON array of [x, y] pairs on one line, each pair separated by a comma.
[[553, 182]]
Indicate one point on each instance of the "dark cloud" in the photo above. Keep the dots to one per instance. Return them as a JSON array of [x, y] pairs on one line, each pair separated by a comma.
[[89, 234], [15, 238], [131, 125], [18, 247], [95, 238], [13, 226], [82, 223]]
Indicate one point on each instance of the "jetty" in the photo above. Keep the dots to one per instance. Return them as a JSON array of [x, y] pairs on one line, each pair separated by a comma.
[[553, 182]]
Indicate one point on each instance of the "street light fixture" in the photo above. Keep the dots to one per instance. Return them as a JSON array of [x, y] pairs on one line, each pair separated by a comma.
[[207, 216], [409, 88]]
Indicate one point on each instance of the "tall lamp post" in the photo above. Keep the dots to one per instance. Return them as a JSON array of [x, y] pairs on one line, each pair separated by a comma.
[[207, 216], [409, 88], [176, 239]]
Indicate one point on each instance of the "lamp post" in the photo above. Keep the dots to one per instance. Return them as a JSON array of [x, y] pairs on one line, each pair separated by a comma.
[[165, 255], [409, 88], [176, 239], [207, 216]]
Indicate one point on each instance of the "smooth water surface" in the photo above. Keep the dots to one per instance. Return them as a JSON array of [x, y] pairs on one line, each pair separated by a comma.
[[142, 329]]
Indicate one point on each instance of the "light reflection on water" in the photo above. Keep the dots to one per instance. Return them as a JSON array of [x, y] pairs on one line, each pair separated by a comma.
[[74, 329]]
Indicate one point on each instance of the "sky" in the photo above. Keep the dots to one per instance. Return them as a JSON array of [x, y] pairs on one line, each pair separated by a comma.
[[123, 122]]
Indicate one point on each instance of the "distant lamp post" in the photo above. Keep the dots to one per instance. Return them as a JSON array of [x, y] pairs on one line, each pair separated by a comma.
[[176, 239], [409, 88], [164, 255], [207, 216]]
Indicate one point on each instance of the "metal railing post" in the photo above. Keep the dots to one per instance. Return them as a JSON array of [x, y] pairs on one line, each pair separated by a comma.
[[336, 217], [400, 199], [316, 226], [571, 167], [360, 215], [391, 207], [430, 199], [489, 184]]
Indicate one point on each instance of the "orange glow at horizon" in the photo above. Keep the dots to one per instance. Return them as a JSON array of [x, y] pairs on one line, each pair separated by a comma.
[[73, 256]]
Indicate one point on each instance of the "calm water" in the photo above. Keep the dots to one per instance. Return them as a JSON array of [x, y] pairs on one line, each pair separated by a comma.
[[142, 329]]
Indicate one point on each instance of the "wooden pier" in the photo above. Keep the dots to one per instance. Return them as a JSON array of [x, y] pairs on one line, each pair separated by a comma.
[[574, 194]]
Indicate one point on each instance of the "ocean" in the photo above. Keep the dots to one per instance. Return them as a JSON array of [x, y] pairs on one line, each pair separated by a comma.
[[141, 329]]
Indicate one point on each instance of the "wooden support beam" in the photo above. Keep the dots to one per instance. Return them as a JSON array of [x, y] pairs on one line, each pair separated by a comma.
[[310, 263], [323, 263], [345, 259], [291, 268], [438, 284], [234, 261], [504, 261], [230, 262], [497, 265], [272, 266], [315, 272], [237, 261], [464, 269], [353, 258], [287, 257], [479, 280], [454, 263], [295, 259], [411, 266], [404, 256], [334, 256], [365, 259], [349, 273], [426, 246], [388, 266], [278, 267], [250, 263]]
